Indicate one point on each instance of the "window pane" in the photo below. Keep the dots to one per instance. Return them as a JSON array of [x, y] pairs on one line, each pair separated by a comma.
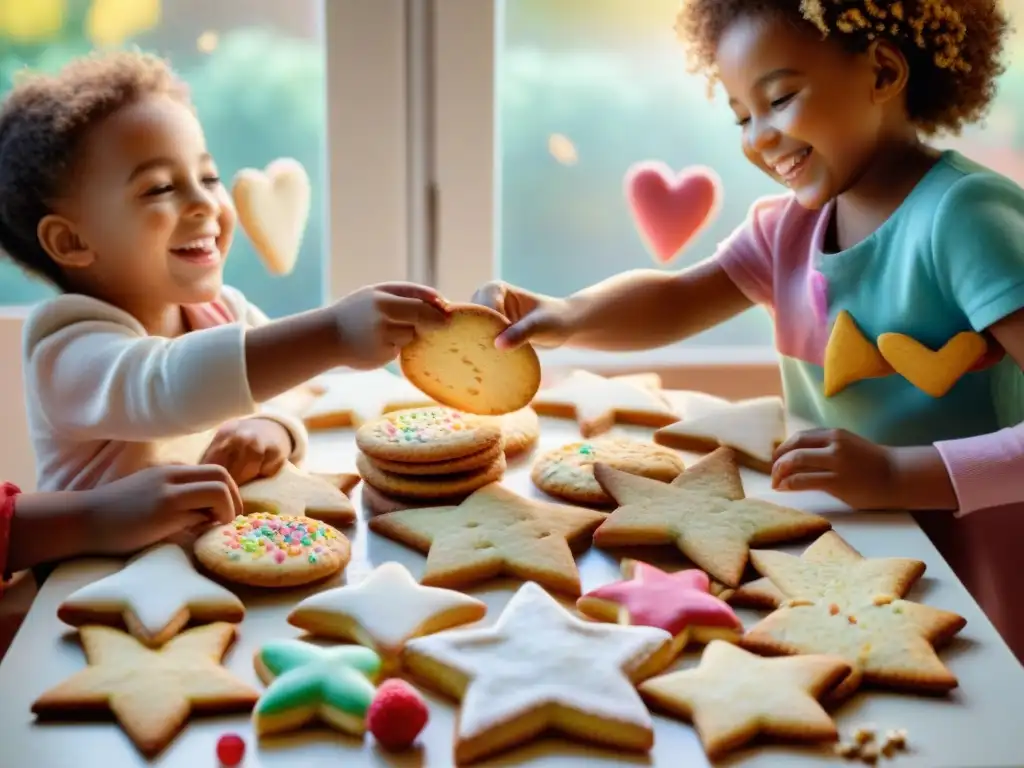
[[610, 77], [256, 70]]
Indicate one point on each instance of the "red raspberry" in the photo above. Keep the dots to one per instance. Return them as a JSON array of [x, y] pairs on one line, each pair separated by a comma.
[[230, 749], [397, 714]]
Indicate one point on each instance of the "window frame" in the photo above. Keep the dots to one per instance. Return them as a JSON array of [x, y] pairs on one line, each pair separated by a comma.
[[466, 135]]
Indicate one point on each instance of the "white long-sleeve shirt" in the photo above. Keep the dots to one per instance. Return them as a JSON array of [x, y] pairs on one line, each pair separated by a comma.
[[105, 399]]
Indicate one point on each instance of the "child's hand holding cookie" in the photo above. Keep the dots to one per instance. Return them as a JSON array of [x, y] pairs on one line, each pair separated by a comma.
[[156, 504], [541, 320], [249, 448], [375, 322]]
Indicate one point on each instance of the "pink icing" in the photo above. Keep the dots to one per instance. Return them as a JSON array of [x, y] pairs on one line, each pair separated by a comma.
[[670, 601]]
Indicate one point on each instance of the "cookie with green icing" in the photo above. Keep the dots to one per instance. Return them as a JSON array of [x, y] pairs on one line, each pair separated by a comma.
[[308, 683]]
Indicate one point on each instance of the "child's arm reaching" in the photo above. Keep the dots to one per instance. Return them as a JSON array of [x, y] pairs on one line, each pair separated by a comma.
[[114, 519], [94, 373]]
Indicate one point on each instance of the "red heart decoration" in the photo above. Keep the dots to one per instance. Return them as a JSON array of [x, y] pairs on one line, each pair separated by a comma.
[[670, 208]]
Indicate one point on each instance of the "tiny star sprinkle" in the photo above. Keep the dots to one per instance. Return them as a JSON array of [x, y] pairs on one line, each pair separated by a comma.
[[277, 537]]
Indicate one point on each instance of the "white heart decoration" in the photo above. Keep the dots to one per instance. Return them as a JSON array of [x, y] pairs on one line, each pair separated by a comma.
[[273, 209]]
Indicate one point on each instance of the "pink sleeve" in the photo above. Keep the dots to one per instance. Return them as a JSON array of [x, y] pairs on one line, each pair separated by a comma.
[[987, 470], [746, 255], [8, 492]]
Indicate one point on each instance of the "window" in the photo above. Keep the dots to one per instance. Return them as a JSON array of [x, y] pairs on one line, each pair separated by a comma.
[[542, 106], [269, 79]]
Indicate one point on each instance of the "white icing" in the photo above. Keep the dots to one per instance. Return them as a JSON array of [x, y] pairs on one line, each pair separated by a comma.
[[365, 394], [389, 604], [538, 654], [595, 396], [753, 427], [154, 587]]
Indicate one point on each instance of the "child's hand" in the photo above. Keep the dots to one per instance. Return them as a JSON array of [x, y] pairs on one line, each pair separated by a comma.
[[375, 322], [850, 468], [538, 319], [156, 504], [249, 448]]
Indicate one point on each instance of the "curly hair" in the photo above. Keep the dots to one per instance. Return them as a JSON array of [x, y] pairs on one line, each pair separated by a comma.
[[43, 122], [953, 47]]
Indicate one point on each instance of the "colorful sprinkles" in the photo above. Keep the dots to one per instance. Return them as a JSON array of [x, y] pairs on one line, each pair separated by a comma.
[[423, 425], [278, 537]]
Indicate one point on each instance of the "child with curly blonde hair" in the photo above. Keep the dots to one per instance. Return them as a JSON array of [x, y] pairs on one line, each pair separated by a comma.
[[108, 191], [880, 237]]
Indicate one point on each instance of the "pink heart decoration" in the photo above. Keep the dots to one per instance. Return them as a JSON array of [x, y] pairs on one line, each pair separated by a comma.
[[670, 208]]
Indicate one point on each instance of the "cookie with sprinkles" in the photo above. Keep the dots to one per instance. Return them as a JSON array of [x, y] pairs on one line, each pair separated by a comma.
[[429, 434], [268, 550]]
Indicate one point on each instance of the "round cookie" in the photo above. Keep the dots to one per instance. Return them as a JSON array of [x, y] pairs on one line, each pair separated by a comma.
[[519, 429], [459, 366], [426, 435], [474, 461], [429, 486], [267, 550], [568, 472], [378, 503]]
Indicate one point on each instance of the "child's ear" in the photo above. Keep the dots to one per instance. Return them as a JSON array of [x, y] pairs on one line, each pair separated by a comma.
[[59, 239], [891, 70]]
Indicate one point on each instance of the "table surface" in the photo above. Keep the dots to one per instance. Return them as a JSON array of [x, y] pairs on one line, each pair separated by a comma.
[[978, 724]]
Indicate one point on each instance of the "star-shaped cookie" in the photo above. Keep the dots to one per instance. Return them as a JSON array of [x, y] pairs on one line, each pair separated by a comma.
[[153, 597], [151, 693], [295, 492], [494, 532], [752, 428], [734, 696], [700, 514], [306, 683], [384, 611], [827, 568], [353, 398], [539, 668], [888, 642], [681, 603], [597, 403]]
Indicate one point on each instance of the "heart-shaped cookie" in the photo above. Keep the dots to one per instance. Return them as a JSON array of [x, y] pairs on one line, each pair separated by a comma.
[[670, 208], [932, 371], [273, 208]]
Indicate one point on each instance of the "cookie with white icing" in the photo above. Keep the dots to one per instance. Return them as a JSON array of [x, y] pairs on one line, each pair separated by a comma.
[[154, 596]]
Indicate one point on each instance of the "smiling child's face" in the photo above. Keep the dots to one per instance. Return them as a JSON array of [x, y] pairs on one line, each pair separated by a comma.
[[809, 110], [148, 208]]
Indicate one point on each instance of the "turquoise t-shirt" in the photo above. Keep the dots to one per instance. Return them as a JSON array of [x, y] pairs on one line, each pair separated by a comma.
[[949, 259]]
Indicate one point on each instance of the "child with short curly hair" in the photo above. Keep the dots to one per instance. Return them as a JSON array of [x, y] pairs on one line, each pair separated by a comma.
[[835, 99], [108, 191]]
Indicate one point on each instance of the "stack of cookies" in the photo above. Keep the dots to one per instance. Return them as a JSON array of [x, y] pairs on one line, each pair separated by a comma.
[[423, 457]]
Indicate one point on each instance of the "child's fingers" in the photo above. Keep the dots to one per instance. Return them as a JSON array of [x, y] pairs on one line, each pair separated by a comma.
[[491, 295], [811, 438], [531, 325], [801, 460], [808, 481], [415, 312], [219, 499], [273, 462]]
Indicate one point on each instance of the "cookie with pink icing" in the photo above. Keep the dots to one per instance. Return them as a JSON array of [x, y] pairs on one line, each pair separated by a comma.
[[681, 603], [427, 435], [268, 550]]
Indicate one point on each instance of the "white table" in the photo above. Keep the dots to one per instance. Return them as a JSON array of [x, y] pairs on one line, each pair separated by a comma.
[[979, 724]]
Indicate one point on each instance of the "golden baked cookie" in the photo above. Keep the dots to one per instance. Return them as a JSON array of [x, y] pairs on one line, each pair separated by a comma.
[[474, 461], [426, 435], [429, 486], [267, 550], [459, 366], [377, 502], [568, 472], [520, 431]]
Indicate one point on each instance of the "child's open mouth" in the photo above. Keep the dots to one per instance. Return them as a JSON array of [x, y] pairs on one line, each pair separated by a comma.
[[790, 167], [203, 250]]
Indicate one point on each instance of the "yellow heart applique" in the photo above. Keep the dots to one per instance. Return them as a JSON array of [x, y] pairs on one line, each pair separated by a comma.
[[932, 371], [850, 357], [273, 209]]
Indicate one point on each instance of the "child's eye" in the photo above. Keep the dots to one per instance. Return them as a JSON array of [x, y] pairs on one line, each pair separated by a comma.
[[211, 181], [783, 101], [741, 121], [163, 189]]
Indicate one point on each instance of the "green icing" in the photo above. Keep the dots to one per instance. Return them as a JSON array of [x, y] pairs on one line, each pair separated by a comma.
[[308, 675]]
